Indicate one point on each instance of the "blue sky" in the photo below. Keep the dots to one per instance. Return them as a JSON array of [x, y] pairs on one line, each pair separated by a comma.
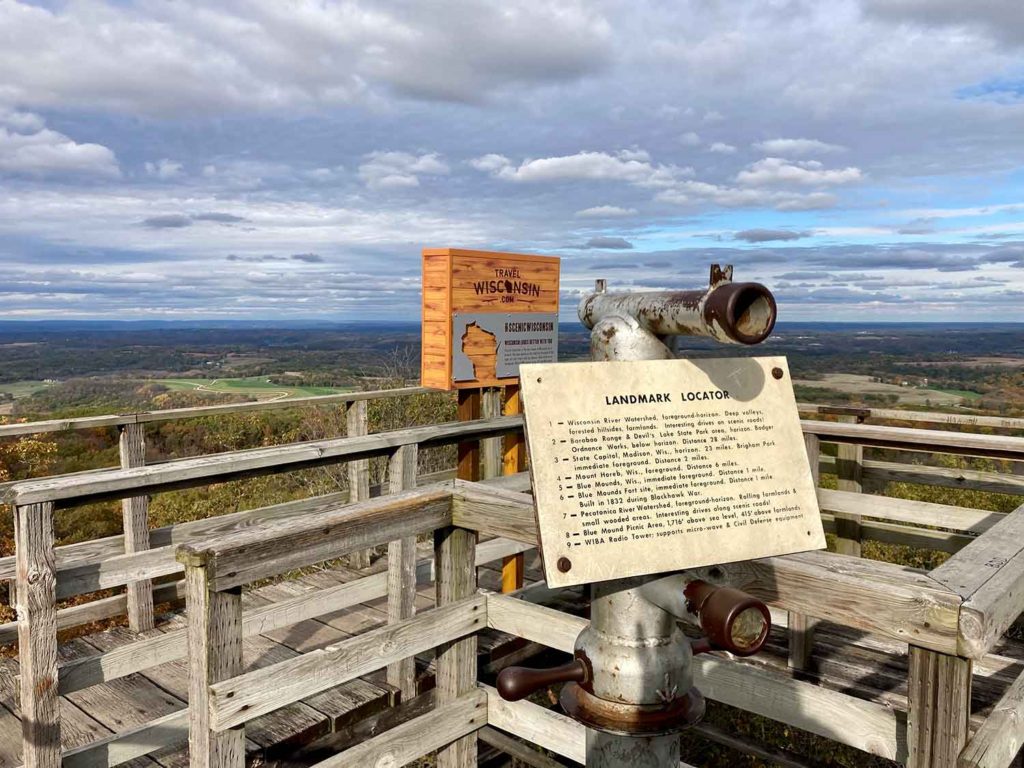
[[261, 159]]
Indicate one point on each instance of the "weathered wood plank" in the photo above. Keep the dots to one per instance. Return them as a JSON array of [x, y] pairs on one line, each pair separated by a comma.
[[544, 727], [521, 751], [881, 472], [37, 634], [849, 467], [989, 574], [215, 654], [279, 547], [880, 597], [939, 708], [115, 571], [246, 696], [1000, 738], [893, 414], [135, 516], [908, 511], [514, 464], [801, 628], [931, 440], [455, 563], [357, 425], [86, 487], [402, 570], [419, 737], [118, 748]]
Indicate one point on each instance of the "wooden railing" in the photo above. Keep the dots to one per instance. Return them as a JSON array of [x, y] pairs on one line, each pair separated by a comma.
[[950, 618]]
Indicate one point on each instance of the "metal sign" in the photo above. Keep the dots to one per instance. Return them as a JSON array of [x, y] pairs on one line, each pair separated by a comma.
[[655, 466], [488, 345]]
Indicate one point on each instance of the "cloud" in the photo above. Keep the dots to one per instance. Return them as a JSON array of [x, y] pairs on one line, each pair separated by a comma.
[[999, 19], [768, 235], [631, 166], [776, 171], [691, 193], [263, 55], [608, 243], [399, 170], [690, 139], [721, 148], [222, 218], [168, 221], [44, 153], [796, 147], [309, 258], [605, 212], [164, 169]]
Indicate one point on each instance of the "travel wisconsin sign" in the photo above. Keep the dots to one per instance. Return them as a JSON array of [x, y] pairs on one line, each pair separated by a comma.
[[647, 467], [485, 314]]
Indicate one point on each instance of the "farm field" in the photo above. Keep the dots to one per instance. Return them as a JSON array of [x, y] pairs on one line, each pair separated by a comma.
[[259, 387], [865, 385]]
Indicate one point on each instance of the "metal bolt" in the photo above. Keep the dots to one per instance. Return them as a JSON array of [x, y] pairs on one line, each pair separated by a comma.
[[777, 373], [564, 564]]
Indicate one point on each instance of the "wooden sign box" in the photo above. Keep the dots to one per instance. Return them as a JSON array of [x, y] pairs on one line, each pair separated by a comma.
[[467, 283]]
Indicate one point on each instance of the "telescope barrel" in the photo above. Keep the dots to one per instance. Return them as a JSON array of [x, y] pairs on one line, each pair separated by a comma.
[[732, 313]]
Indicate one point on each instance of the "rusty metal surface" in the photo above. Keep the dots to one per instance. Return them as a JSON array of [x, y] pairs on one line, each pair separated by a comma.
[[633, 720], [733, 620]]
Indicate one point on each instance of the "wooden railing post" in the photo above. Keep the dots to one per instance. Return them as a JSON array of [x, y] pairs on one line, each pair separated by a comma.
[[849, 469], [358, 471], [801, 627], [938, 708], [214, 655], [402, 570], [513, 568], [135, 513], [491, 446], [37, 634], [455, 561]]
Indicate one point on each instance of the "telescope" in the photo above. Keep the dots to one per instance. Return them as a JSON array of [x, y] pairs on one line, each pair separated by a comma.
[[637, 326], [631, 677]]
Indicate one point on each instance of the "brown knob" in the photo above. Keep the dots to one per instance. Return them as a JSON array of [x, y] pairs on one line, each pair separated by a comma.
[[515, 683], [731, 619]]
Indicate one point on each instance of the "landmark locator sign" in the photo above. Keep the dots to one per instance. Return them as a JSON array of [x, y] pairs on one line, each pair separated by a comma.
[[485, 314], [647, 467]]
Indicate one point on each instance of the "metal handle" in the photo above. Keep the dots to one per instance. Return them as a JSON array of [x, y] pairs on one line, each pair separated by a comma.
[[515, 683]]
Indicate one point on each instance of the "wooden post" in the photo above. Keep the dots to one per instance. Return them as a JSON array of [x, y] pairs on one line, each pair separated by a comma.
[[358, 471], [469, 451], [849, 468], [402, 570], [939, 708], [455, 557], [491, 446], [513, 568], [37, 634], [135, 513], [214, 655], [801, 627]]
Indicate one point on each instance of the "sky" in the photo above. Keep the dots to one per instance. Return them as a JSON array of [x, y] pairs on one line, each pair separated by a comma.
[[287, 160]]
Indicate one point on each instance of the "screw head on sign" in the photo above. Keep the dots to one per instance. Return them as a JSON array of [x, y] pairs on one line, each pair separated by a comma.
[[777, 373], [564, 564]]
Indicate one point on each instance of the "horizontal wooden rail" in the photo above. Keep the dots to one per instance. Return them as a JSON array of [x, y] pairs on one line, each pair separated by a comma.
[[988, 574], [878, 473], [908, 511], [931, 440], [86, 487], [243, 698], [928, 417], [174, 414], [152, 652], [247, 556], [892, 600], [546, 728], [418, 737]]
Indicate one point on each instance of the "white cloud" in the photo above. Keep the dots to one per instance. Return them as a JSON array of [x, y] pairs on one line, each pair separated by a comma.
[[398, 170], [45, 152], [698, 192], [775, 170], [592, 166], [690, 139], [605, 212], [796, 147], [157, 58], [164, 169], [721, 148]]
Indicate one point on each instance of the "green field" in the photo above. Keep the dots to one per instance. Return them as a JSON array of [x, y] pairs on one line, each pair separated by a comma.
[[20, 389], [255, 386], [964, 393]]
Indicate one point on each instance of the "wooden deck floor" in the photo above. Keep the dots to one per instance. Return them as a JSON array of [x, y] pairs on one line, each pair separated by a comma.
[[129, 702]]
